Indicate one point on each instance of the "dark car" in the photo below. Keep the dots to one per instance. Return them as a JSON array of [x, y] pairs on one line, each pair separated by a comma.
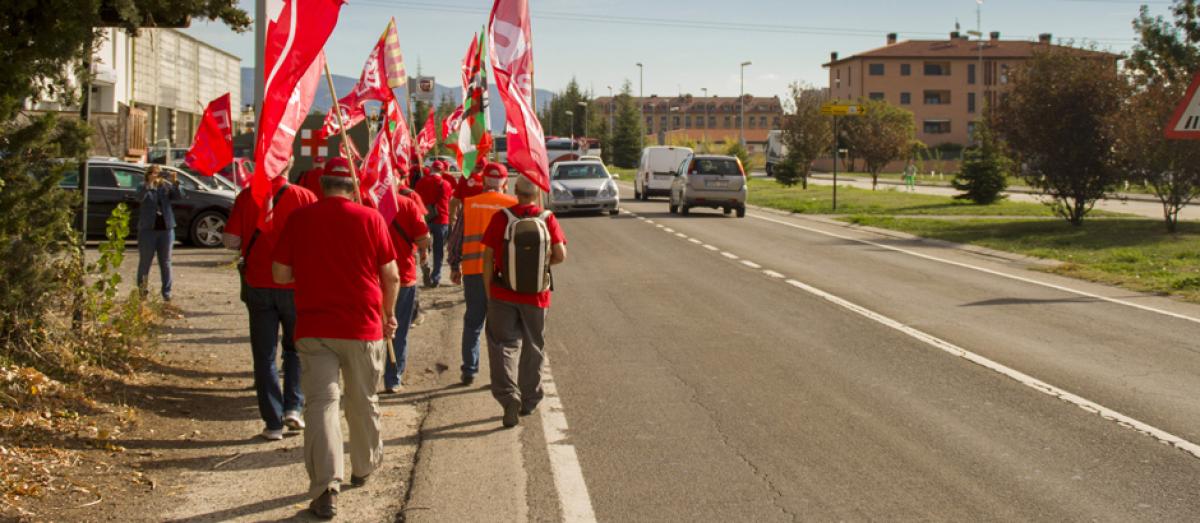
[[200, 216]]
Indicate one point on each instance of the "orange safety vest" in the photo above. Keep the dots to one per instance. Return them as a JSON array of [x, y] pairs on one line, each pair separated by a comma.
[[477, 214]]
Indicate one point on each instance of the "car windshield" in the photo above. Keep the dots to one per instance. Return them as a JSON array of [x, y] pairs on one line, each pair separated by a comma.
[[716, 166], [582, 171]]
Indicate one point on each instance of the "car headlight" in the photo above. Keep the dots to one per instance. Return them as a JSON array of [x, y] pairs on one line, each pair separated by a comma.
[[561, 192], [609, 190]]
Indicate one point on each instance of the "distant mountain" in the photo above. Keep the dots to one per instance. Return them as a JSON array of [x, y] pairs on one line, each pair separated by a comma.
[[344, 84]]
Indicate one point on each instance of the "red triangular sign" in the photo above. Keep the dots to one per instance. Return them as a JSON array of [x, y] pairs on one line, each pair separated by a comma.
[[1185, 123]]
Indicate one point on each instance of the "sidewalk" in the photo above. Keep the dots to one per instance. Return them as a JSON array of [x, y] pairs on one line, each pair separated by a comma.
[[1144, 205]]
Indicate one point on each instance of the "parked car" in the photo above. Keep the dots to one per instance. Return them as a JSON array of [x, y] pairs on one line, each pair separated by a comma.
[[583, 187], [201, 214], [776, 150], [656, 170], [716, 182], [159, 156], [215, 182]]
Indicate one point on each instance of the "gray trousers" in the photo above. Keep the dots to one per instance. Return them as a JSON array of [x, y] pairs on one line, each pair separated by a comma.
[[516, 350], [360, 364]]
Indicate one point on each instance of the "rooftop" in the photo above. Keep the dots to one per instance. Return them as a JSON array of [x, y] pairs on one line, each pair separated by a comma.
[[960, 46], [688, 103]]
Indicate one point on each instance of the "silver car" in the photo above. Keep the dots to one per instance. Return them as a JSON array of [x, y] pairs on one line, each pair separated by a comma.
[[716, 182], [583, 187]]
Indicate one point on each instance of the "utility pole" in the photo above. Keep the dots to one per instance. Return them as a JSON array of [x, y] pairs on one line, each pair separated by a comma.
[[85, 113], [742, 106], [260, 56], [705, 125], [641, 103], [611, 102]]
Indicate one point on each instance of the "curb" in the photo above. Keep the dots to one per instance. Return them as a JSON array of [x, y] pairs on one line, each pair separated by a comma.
[[1119, 197]]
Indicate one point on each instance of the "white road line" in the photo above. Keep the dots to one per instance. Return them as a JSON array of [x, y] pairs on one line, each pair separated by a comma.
[[711, 247], [564, 462], [773, 274], [729, 255], [695, 241], [659, 225], [649, 221], [751, 264], [668, 229], [986, 270], [642, 218], [681, 235], [1020, 377]]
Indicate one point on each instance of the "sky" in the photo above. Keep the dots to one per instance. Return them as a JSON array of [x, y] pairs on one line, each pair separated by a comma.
[[688, 45]]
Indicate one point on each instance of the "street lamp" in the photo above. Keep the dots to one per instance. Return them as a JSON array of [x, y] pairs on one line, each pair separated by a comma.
[[705, 125], [611, 102], [641, 101], [584, 147], [742, 106], [571, 125]]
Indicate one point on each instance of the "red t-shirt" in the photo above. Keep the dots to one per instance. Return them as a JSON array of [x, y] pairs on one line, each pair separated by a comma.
[[469, 186], [452, 179], [410, 218], [335, 248], [311, 180], [243, 221], [493, 237], [436, 191], [415, 197]]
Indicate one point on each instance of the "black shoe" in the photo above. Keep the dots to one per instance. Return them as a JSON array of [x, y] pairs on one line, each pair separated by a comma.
[[325, 506], [468, 379], [525, 411], [512, 413], [356, 481]]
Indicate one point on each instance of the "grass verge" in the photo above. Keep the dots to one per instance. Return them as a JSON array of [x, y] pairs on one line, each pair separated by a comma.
[[1135, 254], [818, 199]]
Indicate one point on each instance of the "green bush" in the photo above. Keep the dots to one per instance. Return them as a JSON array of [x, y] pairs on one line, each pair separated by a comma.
[[735, 149], [984, 173], [788, 172]]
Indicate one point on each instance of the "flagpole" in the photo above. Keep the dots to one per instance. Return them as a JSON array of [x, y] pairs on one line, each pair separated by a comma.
[[337, 109]]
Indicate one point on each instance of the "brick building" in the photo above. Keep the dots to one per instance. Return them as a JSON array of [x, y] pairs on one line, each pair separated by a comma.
[[694, 118], [945, 83]]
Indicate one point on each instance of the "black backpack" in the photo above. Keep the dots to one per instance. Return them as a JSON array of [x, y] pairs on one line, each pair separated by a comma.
[[526, 254]]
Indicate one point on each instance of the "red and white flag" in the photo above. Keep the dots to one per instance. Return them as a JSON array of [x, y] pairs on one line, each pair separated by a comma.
[[352, 115], [510, 38], [452, 122], [379, 176], [296, 33], [427, 138], [401, 140], [212, 148]]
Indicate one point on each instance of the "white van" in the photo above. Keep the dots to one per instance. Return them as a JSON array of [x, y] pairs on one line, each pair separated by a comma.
[[656, 171]]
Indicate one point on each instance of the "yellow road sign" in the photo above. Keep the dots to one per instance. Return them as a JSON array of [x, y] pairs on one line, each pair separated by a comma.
[[842, 109]]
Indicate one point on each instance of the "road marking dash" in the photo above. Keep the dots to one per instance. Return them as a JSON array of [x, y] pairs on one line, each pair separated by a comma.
[[1020, 377], [573, 495], [711, 247], [773, 274], [668, 229], [695, 241], [729, 255], [751, 264], [681, 235]]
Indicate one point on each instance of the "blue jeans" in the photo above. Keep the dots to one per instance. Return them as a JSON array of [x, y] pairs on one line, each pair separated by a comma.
[[405, 300], [150, 243], [438, 233], [477, 304], [269, 309]]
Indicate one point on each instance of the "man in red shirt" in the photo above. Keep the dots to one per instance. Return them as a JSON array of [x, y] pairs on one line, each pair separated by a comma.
[[341, 258], [270, 305], [516, 322], [311, 179], [436, 193], [467, 186], [409, 234]]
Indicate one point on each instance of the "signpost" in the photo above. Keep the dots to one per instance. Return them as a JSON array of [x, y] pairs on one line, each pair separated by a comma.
[[836, 109], [1185, 123]]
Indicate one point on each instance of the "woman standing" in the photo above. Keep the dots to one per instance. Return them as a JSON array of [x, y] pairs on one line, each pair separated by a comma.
[[156, 226]]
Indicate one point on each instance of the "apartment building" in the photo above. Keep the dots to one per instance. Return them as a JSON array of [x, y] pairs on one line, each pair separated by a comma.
[[716, 119], [947, 84]]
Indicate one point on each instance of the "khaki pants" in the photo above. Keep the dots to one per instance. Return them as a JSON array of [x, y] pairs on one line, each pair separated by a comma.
[[360, 364], [516, 351]]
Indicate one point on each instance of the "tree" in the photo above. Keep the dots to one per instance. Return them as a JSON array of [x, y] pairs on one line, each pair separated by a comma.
[[627, 130], [42, 42], [1057, 119], [556, 121], [880, 136], [985, 168], [807, 134], [1161, 65], [735, 149]]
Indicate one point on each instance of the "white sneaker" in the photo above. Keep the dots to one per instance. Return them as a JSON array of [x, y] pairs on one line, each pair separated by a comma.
[[271, 435], [292, 420]]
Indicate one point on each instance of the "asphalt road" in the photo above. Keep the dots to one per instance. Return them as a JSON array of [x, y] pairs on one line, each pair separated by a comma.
[[776, 368]]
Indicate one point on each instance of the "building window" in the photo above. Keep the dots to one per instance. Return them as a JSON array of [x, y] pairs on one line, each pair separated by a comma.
[[905, 69], [876, 69], [937, 97], [937, 126], [970, 74], [750, 122], [1003, 75], [662, 121], [728, 120], [700, 122], [970, 102], [687, 119], [905, 98], [674, 120], [712, 121], [776, 122], [762, 121], [875, 96], [937, 68], [649, 120]]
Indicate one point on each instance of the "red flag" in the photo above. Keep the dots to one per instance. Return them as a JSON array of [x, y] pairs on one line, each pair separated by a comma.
[[511, 42], [427, 138], [375, 78], [378, 177], [401, 140], [352, 114], [212, 149], [452, 122], [296, 34]]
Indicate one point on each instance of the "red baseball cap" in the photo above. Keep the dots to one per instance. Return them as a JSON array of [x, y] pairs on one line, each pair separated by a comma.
[[439, 165], [337, 167], [425, 171], [495, 171]]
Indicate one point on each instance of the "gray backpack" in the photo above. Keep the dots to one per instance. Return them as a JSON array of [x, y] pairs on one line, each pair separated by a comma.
[[526, 254]]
